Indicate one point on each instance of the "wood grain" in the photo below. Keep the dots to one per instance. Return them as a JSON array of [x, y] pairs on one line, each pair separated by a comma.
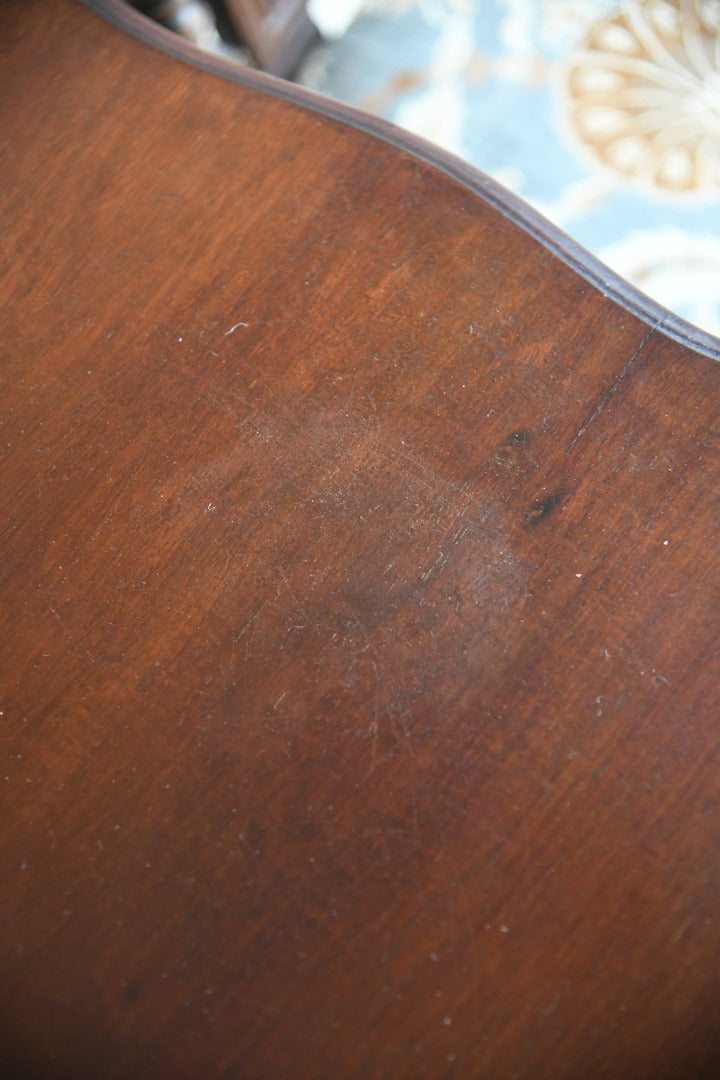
[[359, 606]]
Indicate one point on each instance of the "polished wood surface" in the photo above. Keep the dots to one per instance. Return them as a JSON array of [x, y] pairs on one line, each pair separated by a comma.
[[359, 599]]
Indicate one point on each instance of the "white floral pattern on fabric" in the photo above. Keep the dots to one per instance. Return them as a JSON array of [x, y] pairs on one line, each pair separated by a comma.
[[645, 94]]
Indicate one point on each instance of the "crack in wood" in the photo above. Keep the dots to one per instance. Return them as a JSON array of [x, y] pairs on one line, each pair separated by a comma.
[[612, 389]]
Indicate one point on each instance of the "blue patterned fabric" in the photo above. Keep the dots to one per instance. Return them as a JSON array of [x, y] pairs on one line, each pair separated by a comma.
[[604, 116]]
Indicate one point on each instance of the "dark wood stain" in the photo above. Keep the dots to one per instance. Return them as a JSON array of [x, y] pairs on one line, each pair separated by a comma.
[[330, 746], [543, 506], [512, 452]]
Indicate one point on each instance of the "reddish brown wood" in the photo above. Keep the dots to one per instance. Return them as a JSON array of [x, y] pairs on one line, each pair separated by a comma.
[[359, 606]]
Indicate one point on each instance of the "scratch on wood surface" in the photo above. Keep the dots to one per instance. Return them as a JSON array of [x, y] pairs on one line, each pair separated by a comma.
[[234, 328], [680, 932], [611, 390], [439, 563], [286, 583], [249, 622], [433, 479]]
